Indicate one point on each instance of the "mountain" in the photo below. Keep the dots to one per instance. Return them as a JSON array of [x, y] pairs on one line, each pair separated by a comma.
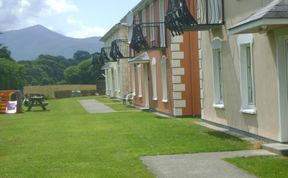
[[29, 43]]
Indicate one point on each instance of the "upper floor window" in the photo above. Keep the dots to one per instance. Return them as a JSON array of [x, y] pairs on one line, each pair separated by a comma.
[[152, 32], [245, 43], [162, 24], [143, 14], [218, 74]]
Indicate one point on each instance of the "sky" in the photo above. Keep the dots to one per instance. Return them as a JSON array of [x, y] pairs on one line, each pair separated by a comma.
[[73, 18]]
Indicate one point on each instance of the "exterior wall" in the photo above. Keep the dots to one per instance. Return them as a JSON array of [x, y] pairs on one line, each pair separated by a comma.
[[117, 76], [265, 122], [182, 73]]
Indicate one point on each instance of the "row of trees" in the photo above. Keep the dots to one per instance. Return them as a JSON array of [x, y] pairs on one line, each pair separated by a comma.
[[83, 68]]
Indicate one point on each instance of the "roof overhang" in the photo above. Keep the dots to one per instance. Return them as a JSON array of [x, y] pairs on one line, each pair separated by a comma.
[[258, 26], [140, 59], [272, 16]]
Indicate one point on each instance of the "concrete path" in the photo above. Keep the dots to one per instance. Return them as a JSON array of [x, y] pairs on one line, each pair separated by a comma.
[[93, 106], [200, 165]]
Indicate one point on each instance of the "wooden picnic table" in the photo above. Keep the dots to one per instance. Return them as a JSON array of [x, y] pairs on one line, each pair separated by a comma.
[[37, 101]]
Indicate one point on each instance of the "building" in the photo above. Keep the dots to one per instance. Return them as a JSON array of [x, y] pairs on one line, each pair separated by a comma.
[[243, 53], [116, 66], [165, 69]]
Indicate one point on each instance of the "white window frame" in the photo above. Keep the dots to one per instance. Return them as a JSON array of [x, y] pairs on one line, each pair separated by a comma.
[[162, 24], [248, 101], [119, 78], [139, 70], [152, 16], [164, 79], [218, 84], [154, 77], [133, 79]]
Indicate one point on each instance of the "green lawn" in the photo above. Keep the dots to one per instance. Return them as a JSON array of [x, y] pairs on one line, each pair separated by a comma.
[[68, 142], [263, 166]]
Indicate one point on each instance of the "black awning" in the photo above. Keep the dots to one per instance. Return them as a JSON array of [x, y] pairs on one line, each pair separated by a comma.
[[178, 16], [138, 41], [115, 52], [103, 56]]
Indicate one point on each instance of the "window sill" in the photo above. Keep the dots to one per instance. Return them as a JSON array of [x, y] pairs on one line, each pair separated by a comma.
[[155, 99], [140, 96], [218, 106], [251, 111], [165, 100]]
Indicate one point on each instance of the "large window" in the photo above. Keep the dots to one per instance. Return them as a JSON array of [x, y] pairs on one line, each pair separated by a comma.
[[143, 16], [245, 43], [154, 78], [218, 74], [152, 33], [162, 25], [139, 70], [164, 79]]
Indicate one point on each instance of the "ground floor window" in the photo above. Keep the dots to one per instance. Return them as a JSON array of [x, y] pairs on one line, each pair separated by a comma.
[[245, 43], [139, 72], [218, 74], [164, 79]]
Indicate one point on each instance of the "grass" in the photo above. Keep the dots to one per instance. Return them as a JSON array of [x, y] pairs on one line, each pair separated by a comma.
[[68, 142], [263, 166]]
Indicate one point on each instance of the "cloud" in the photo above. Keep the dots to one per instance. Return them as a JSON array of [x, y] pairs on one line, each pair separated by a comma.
[[60, 6], [22, 13], [81, 30]]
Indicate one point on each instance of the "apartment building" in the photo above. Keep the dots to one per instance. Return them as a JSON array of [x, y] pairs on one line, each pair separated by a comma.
[[116, 55], [165, 68], [243, 55]]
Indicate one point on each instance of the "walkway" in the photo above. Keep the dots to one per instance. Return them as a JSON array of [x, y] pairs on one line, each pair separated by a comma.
[[200, 165], [93, 106]]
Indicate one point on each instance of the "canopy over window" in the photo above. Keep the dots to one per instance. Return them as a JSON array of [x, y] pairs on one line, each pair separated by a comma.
[[138, 41], [103, 56], [115, 52], [274, 15], [140, 59]]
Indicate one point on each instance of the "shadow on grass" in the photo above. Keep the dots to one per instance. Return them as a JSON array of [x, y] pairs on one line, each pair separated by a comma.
[[38, 110], [223, 135]]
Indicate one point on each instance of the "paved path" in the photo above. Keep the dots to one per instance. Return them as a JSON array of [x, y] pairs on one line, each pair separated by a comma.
[[93, 106], [200, 165]]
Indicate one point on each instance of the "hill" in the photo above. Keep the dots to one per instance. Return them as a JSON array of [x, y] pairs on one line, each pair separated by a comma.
[[29, 43]]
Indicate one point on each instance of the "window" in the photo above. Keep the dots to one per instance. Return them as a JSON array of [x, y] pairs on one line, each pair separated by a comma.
[[119, 77], [154, 78], [164, 79], [133, 78], [245, 43], [162, 24], [139, 67], [143, 14], [152, 33], [218, 74]]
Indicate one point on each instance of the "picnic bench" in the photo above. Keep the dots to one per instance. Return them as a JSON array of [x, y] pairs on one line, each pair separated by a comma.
[[37, 101]]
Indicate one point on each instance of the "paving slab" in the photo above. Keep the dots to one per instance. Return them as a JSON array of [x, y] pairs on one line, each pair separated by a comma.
[[278, 148], [199, 165], [93, 106]]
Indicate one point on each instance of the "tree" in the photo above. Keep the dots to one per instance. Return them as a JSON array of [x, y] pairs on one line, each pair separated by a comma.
[[80, 56], [11, 75], [72, 75]]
